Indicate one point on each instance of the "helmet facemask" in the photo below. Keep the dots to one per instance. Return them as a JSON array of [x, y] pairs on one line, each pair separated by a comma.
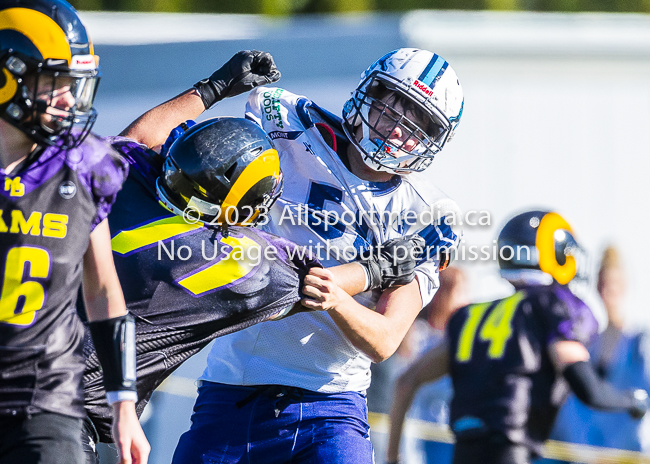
[[53, 105], [566, 247], [394, 131]]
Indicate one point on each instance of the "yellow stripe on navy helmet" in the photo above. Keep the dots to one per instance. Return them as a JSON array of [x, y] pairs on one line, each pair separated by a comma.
[[46, 35], [9, 87], [266, 165], [549, 225]]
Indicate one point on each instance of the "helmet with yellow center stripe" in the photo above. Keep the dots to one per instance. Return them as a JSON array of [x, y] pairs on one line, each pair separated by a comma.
[[48, 71], [540, 246], [222, 171]]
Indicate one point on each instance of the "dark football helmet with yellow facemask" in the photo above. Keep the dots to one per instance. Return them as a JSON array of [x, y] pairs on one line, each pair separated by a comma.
[[540, 246], [222, 171], [48, 71]]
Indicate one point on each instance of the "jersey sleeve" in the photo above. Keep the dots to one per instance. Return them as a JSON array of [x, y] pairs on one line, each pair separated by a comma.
[[274, 109], [428, 280], [442, 241], [102, 171], [301, 259], [141, 159], [443, 232], [440, 225]]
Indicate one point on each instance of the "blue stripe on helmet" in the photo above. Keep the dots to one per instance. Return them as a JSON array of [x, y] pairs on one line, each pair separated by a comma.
[[433, 71]]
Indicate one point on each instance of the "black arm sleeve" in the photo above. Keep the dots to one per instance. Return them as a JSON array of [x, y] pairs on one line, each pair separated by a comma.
[[595, 392], [114, 341]]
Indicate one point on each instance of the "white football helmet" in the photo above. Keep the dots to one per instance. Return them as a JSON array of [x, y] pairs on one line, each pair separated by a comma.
[[405, 108]]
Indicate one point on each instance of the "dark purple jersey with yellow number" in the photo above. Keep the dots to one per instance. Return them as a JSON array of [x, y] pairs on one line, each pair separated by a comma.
[[186, 284], [48, 209], [502, 375]]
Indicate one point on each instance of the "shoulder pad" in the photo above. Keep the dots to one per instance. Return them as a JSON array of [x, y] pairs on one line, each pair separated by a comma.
[[99, 166], [101, 170], [566, 315], [142, 160], [278, 110]]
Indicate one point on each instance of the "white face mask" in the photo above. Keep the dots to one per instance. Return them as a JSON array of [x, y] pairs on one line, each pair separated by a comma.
[[392, 138]]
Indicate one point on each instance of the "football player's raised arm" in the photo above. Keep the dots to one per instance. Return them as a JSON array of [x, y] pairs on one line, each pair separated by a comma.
[[246, 70], [153, 127], [114, 342], [430, 367]]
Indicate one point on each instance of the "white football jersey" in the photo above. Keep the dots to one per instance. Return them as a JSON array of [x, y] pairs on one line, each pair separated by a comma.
[[326, 207]]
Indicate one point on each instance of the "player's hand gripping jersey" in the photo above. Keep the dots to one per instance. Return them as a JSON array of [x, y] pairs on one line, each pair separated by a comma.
[[48, 210], [314, 354], [185, 283], [505, 344]]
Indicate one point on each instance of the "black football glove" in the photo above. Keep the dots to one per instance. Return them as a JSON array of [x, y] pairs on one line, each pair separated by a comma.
[[393, 262], [246, 70], [640, 398]]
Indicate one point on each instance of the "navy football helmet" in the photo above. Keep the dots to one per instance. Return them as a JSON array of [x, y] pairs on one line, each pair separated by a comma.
[[222, 171], [540, 245], [48, 71]]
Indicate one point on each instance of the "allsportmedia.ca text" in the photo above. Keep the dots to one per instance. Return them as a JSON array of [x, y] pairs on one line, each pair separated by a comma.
[[302, 215]]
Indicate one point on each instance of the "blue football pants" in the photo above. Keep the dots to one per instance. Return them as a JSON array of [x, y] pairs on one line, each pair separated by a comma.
[[275, 425]]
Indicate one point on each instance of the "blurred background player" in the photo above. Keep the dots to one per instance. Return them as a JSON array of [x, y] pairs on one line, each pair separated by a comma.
[[512, 360], [188, 276], [58, 185], [621, 356], [354, 174], [431, 403]]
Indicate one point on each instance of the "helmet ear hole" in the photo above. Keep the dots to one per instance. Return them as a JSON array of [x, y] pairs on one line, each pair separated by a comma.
[[229, 173]]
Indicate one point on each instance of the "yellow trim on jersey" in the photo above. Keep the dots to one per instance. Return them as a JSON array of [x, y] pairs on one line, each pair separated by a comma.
[[237, 264], [127, 241], [265, 165], [545, 243], [40, 29]]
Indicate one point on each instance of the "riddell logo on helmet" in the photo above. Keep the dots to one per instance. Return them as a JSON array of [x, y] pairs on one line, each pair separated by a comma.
[[83, 62], [423, 87]]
